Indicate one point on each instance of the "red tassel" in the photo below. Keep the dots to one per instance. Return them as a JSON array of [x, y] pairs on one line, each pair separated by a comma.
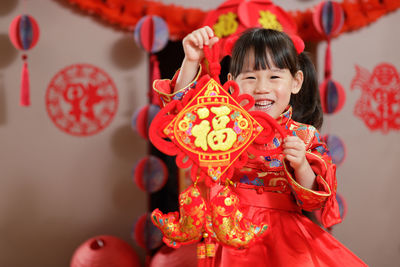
[[24, 97], [154, 75], [328, 61]]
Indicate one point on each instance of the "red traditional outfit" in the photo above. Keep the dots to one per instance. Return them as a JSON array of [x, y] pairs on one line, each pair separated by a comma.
[[269, 193]]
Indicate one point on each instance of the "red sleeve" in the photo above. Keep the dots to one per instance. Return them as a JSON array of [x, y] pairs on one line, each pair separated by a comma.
[[165, 88], [324, 197]]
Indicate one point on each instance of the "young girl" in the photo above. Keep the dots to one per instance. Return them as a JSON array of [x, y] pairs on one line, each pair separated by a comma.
[[266, 65]]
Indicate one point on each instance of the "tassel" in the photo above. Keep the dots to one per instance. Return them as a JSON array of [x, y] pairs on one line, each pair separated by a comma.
[[155, 74], [24, 95], [328, 61]]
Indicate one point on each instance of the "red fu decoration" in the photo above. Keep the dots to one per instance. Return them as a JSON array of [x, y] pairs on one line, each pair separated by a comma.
[[24, 34], [211, 132], [328, 19]]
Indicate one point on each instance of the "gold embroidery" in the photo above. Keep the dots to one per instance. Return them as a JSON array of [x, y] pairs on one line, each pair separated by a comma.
[[268, 20], [226, 25]]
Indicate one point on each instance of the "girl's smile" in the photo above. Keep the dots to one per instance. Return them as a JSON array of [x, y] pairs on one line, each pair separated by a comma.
[[271, 88]]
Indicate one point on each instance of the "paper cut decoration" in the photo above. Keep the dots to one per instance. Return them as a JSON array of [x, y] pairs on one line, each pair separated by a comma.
[[379, 104], [81, 99]]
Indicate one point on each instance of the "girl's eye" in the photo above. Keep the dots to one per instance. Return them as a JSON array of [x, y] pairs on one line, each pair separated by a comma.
[[250, 78], [274, 77]]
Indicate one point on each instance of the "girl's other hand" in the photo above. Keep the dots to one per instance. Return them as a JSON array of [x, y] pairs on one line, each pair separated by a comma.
[[194, 42], [294, 150]]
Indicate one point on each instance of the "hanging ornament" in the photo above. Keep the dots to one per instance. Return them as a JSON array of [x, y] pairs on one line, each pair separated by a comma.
[[105, 251], [332, 96], [146, 234], [142, 119], [152, 34], [336, 147], [150, 174], [328, 19], [24, 34]]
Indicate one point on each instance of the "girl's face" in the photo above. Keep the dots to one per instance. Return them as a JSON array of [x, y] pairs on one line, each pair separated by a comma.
[[271, 88]]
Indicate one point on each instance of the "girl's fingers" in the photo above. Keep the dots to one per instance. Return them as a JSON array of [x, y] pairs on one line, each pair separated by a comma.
[[191, 38], [294, 145], [209, 31], [204, 35], [197, 40], [290, 151], [213, 40]]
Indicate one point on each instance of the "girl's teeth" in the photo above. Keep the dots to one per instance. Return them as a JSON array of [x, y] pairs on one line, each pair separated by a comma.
[[264, 103]]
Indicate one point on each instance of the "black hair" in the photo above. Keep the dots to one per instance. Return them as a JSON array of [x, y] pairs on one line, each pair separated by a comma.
[[263, 42]]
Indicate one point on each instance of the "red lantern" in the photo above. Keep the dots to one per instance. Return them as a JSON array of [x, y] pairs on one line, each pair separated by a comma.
[[332, 96], [150, 174], [337, 148], [104, 251], [234, 16], [146, 234], [142, 119], [152, 34], [328, 19], [24, 34]]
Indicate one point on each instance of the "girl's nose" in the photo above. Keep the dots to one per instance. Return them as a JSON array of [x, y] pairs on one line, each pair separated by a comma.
[[262, 87]]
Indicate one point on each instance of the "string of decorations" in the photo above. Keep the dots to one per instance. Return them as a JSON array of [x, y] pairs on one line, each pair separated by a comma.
[[181, 21]]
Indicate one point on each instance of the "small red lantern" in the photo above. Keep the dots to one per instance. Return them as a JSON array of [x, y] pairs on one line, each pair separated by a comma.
[[24, 34], [151, 33], [105, 251], [142, 119], [337, 148], [146, 234], [332, 96], [150, 174], [328, 19]]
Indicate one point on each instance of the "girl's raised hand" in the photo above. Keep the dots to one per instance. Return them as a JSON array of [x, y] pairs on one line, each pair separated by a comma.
[[194, 42]]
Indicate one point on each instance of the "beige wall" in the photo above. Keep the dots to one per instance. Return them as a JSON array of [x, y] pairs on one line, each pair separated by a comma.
[[57, 190]]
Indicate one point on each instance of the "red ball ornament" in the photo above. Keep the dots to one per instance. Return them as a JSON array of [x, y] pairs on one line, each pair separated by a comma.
[[146, 234], [150, 174], [337, 149], [142, 119], [104, 251], [24, 34], [332, 96], [151, 33], [328, 18]]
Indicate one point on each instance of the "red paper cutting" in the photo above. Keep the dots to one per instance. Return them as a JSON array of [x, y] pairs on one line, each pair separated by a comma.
[[379, 104], [81, 99]]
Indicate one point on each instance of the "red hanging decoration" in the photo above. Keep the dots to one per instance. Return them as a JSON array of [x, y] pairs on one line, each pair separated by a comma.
[[182, 21], [234, 16], [328, 19], [24, 34], [209, 131], [152, 34]]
